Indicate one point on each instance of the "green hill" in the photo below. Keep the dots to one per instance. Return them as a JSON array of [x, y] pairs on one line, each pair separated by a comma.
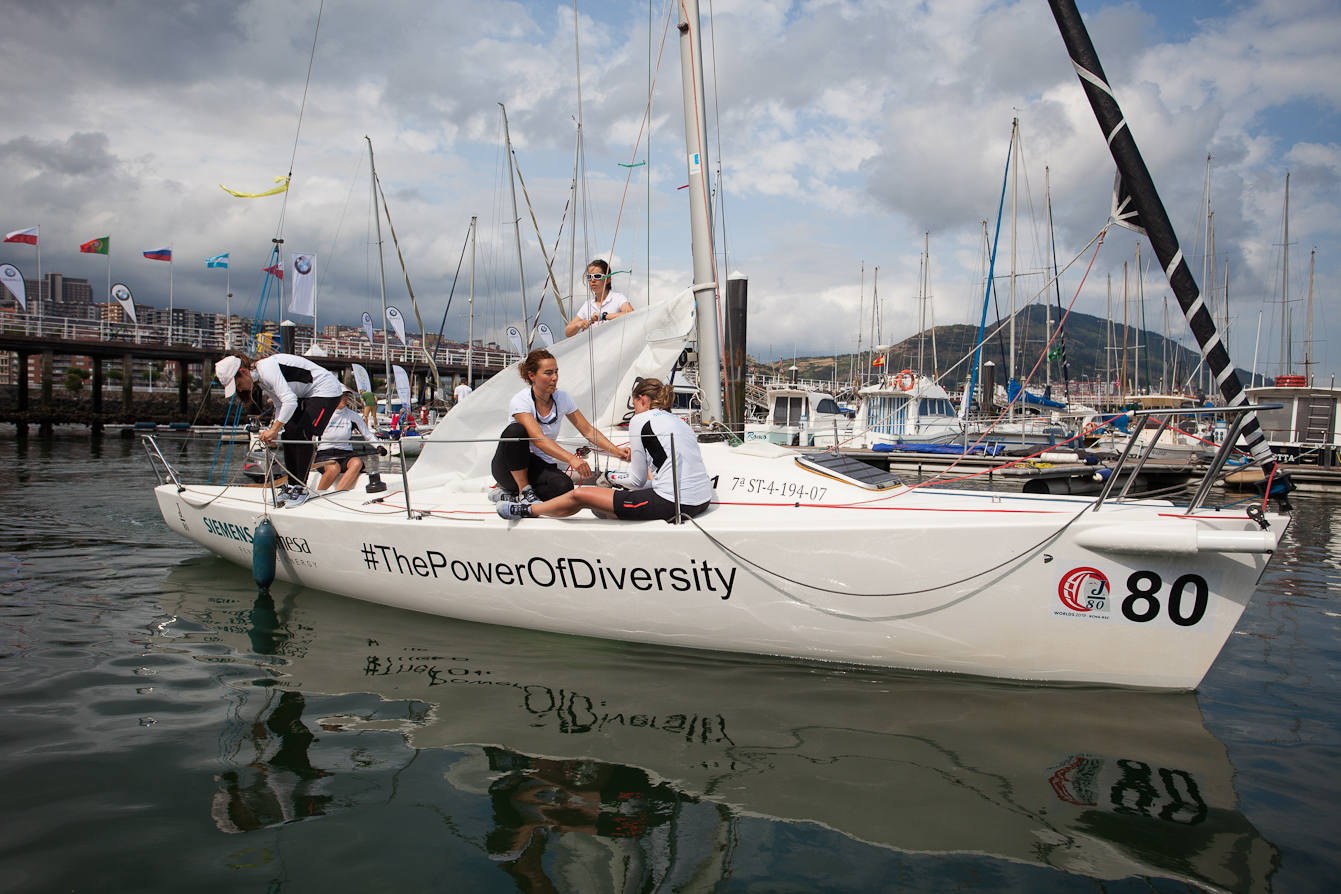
[[1086, 344]]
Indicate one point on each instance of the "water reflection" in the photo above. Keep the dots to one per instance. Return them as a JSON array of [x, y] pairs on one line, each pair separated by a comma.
[[607, 766], [278, 784]]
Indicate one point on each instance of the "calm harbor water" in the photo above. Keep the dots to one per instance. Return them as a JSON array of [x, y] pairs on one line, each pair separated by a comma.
[[167, 729]]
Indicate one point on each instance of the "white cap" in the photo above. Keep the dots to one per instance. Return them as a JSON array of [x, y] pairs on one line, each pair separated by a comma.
[[226, 372]]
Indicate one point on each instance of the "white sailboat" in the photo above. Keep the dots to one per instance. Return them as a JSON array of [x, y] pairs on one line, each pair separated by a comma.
[[818, 558]]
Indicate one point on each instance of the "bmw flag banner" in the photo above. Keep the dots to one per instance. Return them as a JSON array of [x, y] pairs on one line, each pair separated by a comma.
[[302, 300], [13, 280], [368, 326], [397, 324], [126, 300]]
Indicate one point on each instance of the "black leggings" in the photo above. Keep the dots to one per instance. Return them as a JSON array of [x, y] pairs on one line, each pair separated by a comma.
[[546, 479], [308, 421]]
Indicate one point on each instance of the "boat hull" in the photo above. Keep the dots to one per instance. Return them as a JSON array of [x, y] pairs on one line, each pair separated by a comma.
[[793, 564]]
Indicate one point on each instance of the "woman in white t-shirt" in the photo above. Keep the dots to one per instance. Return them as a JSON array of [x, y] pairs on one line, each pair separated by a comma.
[[652, 432], [604, 303], [527, 462]]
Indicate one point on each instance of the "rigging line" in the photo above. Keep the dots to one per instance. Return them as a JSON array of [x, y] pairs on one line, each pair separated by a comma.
[[339, 227], [549, 268], [717, 123], [642, 128], [1097, 242], [817, 588], [433, 367], [302, 107], [989, 336], [464, 243]]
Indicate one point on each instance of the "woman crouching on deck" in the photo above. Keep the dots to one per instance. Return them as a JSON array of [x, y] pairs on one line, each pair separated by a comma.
[[651, 433], [526, 463]]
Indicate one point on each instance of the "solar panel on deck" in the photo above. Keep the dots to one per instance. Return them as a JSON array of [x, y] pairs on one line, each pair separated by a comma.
[[849, 469]]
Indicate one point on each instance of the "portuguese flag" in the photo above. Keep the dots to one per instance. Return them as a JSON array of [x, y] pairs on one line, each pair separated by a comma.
[[96, 246]]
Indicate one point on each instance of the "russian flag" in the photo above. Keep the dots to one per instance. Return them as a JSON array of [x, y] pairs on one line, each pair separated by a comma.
[[27, 237], [160, 254]]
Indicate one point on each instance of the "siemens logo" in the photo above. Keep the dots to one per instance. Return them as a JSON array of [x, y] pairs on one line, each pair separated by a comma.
[[243, 535]]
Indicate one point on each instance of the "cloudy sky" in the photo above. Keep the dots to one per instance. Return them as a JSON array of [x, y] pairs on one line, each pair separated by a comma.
[[844, 132]]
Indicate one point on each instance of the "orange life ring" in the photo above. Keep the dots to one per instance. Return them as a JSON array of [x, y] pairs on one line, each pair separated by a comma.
[[905, 380]]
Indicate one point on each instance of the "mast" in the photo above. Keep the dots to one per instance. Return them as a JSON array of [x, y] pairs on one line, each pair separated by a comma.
[[470, 321], [381, 276], [700, 214], [516, 225], [1138, 205], [922, 305], [861, 313], [1014, 193], [1285, 358], [1308, 318]]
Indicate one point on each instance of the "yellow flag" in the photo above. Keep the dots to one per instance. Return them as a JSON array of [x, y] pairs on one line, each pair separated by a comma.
[[283, 185]]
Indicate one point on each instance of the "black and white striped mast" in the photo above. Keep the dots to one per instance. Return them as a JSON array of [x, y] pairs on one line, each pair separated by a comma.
[[1137, 206]]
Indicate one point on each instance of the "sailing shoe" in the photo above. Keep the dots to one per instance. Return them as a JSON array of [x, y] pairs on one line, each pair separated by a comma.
[[497, 494], [297, 497], [513, 511], [528, 495]]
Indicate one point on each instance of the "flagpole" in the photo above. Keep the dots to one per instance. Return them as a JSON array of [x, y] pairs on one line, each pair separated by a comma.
[[169, 294], [38, 245], [228, 310]]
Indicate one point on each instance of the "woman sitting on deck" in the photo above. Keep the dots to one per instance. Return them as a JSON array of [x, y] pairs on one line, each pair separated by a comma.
[[526, 464]]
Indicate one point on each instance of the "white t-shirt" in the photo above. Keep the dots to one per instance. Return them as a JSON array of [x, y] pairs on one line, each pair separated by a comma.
[[650, 436], [461, 391], [340, 430], [524, 402], [614, 302]]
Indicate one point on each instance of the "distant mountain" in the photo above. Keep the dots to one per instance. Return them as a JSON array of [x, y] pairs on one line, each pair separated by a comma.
[[1085, 342]]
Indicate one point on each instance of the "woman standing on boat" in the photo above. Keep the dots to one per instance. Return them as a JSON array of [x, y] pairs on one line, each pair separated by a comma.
[[526, 463], [655, 436], [604, 304], [305, 397]]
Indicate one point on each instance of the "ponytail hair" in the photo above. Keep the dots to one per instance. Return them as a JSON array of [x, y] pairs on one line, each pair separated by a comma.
[[661, 394], [531, 365]]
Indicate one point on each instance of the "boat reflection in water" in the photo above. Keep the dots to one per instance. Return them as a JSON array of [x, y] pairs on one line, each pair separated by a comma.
[[634, 764]]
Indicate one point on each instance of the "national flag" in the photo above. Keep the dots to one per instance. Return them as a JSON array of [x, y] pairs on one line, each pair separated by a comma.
[[27, 237], [160, 254], [100, 246], [879, 361], [217, 261], [274, 270]]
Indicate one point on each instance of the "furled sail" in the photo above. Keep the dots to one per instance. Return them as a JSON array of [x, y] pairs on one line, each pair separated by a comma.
[[1137, 205]]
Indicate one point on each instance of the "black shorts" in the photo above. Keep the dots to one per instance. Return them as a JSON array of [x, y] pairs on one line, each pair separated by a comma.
[[647, 505], [340, 457]]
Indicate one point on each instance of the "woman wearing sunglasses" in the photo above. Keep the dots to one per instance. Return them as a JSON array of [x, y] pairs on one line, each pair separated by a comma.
[[604, 304]]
